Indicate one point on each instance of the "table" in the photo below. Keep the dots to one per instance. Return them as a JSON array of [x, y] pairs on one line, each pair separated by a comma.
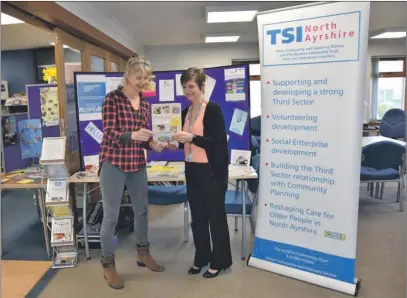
[[376, 131], [241, 174], [39, 193]]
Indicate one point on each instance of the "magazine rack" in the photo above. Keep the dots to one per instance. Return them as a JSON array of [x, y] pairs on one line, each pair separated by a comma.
[[65, 254]]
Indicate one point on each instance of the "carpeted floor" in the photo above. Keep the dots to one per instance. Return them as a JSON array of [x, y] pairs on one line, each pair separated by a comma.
[[23, 236], [380, 263]]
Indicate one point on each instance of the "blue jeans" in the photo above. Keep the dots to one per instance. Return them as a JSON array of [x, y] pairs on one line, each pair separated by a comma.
[[112, 182]]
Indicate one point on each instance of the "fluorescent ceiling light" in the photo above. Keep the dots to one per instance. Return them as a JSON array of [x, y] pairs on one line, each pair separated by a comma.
[[210, 39], [9, 20], [231, 16], [390, 35]]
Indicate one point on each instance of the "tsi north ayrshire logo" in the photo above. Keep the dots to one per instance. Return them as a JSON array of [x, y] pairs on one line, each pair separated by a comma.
[[307, 34]]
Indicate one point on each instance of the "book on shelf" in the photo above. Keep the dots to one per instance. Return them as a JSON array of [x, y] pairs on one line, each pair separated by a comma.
[[57, 191], [62, 233], [60, 211], [56, 170], [53, 150], [65, 257]]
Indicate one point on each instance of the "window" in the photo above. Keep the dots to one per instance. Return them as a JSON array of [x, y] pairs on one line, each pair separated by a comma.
[[255, 85], [255, 90], [255, 98], [97, 64], [388, 85], [114, 67]]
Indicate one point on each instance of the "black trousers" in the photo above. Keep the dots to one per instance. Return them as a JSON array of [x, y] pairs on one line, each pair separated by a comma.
[[207, 204]]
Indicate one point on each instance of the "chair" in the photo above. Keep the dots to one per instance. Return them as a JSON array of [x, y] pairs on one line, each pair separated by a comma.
[[393, 124], [384, 162], [170, 195], [255, 126], [234, 199]]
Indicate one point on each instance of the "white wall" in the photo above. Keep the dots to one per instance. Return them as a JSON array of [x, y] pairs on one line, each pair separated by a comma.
[[89, 12], [182, 57]]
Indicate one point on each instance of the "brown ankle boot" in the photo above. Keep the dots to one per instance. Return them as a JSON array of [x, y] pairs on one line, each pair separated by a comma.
[[145, 259], [110, 273]]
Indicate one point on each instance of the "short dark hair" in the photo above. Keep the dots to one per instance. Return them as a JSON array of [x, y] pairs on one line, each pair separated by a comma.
[[194, 73]]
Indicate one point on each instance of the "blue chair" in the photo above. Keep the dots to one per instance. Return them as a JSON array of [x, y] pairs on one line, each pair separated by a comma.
[[384, 162], [234, 201], [170, 195], [393, 124]]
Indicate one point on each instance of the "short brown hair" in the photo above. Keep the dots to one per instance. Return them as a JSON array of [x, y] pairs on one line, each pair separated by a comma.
[[194, 73]]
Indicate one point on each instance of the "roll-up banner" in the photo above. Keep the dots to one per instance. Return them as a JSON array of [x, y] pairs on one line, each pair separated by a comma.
[[313, 70]]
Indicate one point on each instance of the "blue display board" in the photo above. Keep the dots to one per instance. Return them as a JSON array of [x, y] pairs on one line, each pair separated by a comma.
[[228, 86]]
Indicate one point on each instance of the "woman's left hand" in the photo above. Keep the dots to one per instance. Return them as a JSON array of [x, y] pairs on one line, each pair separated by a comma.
[[156, 146], [183, 137]]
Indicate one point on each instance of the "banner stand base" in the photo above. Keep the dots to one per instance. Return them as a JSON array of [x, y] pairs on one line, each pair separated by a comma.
[[347, 288], [358, 285]]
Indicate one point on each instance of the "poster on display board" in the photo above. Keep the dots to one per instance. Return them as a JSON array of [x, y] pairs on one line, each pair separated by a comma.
[[49, 106], [12, 157], [30, 135], [309, 182], [163, 94], [91, 92], [9, 129], [43, 104]]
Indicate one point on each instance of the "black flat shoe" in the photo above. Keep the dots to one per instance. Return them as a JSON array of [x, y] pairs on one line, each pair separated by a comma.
[[208, 274], [193, 270]]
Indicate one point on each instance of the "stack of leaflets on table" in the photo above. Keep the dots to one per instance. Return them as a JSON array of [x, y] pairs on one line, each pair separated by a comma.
[[163, 171], [62, 233], [157, 163], [57, 192]]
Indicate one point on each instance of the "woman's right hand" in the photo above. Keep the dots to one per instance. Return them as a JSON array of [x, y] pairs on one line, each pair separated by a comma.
[[142, 135]]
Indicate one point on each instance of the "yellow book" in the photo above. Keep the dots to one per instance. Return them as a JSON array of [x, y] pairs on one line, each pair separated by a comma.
[[13, 175], [25, 181], [163, 169]]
